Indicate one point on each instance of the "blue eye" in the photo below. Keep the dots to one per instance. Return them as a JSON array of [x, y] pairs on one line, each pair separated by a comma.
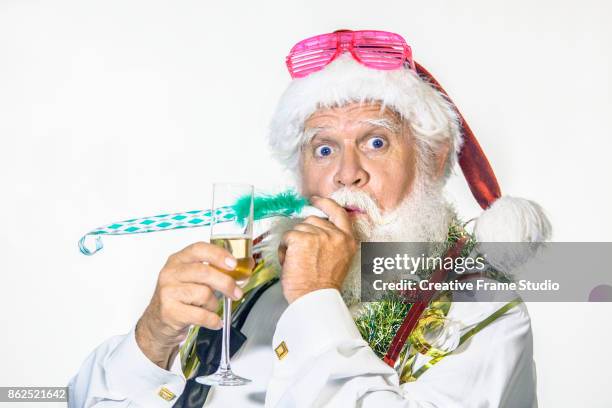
[[376, 143], [323, 151]]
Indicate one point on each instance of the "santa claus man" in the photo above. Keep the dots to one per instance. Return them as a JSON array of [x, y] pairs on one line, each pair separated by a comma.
[[371, 139]]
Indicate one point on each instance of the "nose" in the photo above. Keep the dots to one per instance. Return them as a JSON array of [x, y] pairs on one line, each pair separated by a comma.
[[350, 172]]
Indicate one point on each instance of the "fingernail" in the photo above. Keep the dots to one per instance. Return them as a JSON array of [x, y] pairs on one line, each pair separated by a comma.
[[220, 324], [237, 293], [231, 262]]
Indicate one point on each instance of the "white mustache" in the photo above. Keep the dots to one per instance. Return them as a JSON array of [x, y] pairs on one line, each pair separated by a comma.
[[359, 199]]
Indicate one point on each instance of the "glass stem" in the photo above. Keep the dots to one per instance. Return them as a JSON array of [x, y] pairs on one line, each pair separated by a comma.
[[224, 365]]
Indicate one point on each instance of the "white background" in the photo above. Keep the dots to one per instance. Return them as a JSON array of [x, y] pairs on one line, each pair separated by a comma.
[[118, 109]]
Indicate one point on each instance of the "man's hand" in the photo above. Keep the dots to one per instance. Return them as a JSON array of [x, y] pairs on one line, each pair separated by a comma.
[[317, 253], [184, 296]]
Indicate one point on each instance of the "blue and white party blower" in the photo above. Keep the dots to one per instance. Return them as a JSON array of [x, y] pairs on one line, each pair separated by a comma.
[[286, 204]]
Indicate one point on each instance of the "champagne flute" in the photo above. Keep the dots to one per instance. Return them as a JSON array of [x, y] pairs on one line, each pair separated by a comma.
[[237, 237]]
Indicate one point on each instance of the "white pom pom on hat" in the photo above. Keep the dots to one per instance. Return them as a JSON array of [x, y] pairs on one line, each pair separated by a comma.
[[511, 220], [528, 222]]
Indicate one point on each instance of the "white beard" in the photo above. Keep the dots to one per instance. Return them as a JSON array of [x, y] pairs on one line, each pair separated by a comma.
[[423, 216]]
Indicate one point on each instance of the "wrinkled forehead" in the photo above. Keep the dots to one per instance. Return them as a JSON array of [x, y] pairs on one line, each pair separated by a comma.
[[372, 113]]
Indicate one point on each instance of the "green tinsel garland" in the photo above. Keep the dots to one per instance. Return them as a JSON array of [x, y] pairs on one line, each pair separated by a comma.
[[379, 321]]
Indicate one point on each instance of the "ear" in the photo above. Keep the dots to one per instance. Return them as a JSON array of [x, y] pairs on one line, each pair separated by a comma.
[[441, 156]]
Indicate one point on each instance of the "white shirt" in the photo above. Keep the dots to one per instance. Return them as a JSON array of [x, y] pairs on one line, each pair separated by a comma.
[[328, 364]]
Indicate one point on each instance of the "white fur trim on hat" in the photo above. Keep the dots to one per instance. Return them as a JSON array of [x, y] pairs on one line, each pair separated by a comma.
[[430, 116]]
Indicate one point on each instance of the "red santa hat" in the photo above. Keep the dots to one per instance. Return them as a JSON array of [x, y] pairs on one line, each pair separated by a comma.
[[433, 119]]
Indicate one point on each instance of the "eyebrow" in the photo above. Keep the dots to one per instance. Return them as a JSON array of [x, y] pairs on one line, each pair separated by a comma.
[[385, 123], [390, 125]]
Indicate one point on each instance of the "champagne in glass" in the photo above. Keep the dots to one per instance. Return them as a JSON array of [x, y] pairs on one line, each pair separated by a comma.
[[241, 249], [237, 237]]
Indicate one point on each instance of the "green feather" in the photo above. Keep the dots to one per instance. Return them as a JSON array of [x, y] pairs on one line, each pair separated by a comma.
[[269, 205]]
